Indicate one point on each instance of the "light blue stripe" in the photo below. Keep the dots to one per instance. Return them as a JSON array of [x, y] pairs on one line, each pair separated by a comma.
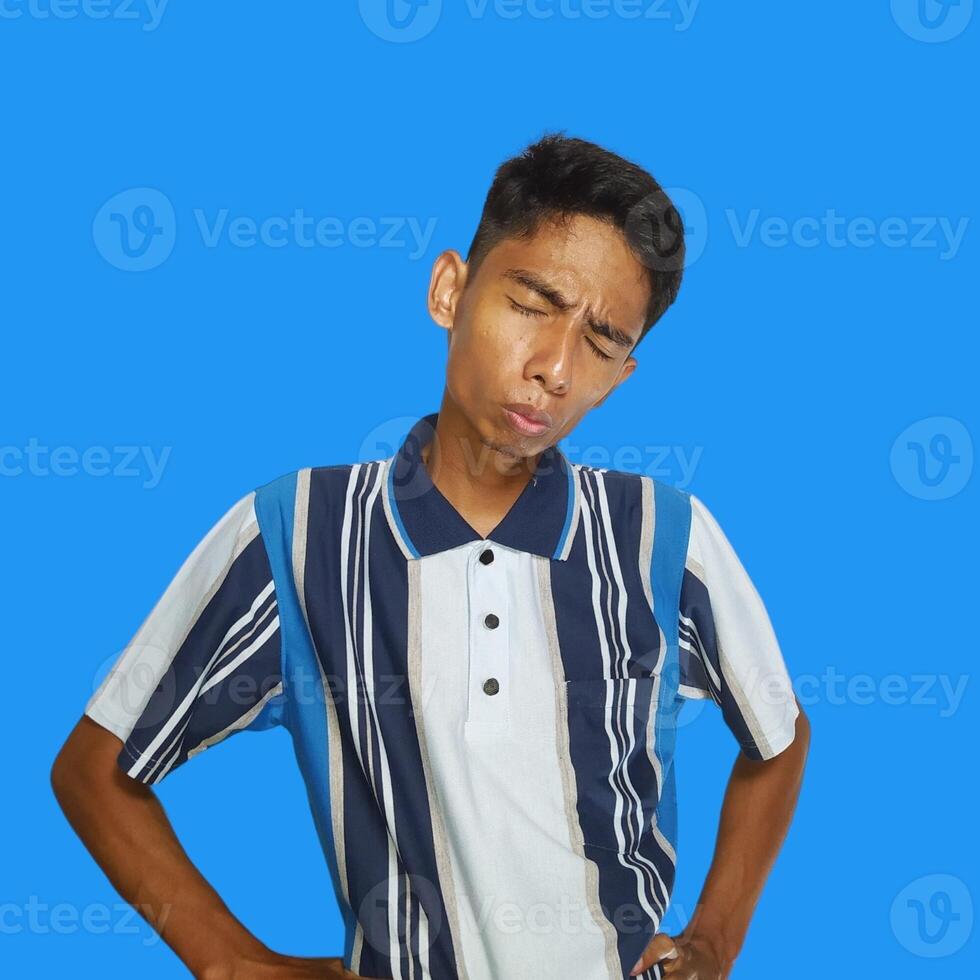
[[672, 528], [306, 718], [569, 509], [394, 510]]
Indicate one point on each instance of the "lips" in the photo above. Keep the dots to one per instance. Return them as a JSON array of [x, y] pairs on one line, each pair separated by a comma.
[[525, 419]]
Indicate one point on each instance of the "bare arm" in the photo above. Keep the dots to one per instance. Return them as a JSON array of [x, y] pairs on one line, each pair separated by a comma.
[[123, 825], [759, 803]]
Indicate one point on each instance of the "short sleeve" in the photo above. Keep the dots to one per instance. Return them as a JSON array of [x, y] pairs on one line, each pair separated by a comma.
[[728, 649], [206, 662]]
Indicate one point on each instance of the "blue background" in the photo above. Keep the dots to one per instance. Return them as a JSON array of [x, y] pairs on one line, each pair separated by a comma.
[[788, 372]]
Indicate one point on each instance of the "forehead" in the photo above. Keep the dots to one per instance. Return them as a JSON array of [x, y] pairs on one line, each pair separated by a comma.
[[587, 259]]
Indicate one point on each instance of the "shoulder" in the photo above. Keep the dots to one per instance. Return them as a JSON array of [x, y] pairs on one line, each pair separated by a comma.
[[286, 484], [646, 503], [315, 492], [629, 481]]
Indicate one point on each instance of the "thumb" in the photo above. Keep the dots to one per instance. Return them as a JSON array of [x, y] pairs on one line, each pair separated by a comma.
[[661, 947]]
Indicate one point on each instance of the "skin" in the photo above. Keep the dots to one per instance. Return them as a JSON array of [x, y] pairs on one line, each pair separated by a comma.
[[117, 817], [546, 358], [756, 812], [566, 279]]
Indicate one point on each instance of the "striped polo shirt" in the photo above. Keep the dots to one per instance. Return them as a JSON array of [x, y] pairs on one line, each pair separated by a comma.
[[485, 726]]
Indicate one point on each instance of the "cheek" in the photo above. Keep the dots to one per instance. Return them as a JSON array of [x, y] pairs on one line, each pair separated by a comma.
[[497, 342]]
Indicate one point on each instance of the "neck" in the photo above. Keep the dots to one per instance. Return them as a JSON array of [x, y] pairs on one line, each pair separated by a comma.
[[481, 478]]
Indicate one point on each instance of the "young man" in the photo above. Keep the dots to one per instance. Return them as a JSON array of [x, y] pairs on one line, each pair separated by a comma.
[[478, 647]]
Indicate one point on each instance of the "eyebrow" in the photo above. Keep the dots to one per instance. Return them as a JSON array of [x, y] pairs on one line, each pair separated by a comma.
[[556, 298]]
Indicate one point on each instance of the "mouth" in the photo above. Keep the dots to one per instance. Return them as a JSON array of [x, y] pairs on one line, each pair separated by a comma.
[[526, 420]]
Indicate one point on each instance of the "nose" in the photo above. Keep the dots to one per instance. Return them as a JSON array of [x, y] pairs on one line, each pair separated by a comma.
[[550, 363]]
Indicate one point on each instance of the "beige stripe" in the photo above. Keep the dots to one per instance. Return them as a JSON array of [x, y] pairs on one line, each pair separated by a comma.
[[646, 537], [238, 723], [439, 836], [335, 755], [542, 568], [742, 699]]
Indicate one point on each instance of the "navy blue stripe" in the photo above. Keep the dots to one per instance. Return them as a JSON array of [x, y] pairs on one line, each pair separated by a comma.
[[696, 606], [633, 780], [364, 818], [692, 669], [225, 702], [640, 865]]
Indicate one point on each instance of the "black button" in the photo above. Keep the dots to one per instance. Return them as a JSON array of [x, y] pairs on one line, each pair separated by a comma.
[[490, 686], [486, 556], [491, 621]]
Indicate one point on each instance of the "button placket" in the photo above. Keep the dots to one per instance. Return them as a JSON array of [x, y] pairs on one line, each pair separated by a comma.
[[489, 653]]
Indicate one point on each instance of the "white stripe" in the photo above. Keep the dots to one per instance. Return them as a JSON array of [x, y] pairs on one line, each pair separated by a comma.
[[168, 756], [576, 493], [220, 675], [693, 692], [635, 805], [173, 749], [699, 650], [164, 631], [368, 666], [239, 723], [391, 507], [587, 515], [191, 695]]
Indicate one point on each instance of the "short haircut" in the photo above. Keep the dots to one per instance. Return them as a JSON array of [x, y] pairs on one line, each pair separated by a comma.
[[560, 176]]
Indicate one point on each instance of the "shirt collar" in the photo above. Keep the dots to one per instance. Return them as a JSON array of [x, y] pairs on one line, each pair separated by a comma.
[[541, 520]]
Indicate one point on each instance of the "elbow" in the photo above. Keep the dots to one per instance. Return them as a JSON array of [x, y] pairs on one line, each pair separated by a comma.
[[65, 774], [802, 736], [803, 728], [85, 765]]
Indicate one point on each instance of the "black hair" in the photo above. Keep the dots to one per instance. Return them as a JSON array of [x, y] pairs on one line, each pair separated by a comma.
[[560, 176]]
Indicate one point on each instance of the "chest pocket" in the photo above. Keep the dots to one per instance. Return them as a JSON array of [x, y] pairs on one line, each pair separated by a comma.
[[611, 746]]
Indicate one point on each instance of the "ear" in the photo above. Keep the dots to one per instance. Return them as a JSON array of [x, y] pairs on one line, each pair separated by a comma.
[[446, 285], [629, 366]]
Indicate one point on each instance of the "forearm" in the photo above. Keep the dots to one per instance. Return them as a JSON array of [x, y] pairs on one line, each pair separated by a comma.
[[123, 825], [758, 806]]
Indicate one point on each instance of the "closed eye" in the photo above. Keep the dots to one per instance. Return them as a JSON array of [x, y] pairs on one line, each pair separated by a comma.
[[528, 311], [597, 351]]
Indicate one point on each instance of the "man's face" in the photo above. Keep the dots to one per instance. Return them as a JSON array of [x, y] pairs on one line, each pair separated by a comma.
[[547, 323]]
